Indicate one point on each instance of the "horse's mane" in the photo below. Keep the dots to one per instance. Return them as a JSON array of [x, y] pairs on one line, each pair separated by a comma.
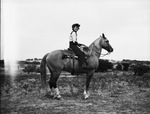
[[93, 43]]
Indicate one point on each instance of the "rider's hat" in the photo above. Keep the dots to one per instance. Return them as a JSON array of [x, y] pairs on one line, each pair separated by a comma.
[[75, 25]]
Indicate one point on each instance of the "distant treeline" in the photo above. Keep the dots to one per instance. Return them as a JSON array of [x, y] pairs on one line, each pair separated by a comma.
[[138, 67]]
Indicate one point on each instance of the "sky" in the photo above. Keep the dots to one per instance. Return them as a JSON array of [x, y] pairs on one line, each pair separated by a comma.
[[32, 28]]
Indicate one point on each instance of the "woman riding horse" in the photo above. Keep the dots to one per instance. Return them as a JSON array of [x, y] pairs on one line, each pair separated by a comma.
[[56, 63], [74, 45]]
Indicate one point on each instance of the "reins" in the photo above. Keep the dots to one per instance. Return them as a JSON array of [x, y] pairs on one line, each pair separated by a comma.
[[101, 55]]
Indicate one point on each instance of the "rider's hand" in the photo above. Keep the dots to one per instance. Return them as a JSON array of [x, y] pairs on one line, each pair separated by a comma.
[[81, 45]]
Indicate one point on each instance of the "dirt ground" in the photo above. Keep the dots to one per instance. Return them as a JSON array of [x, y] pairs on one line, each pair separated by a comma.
[[110, 93]]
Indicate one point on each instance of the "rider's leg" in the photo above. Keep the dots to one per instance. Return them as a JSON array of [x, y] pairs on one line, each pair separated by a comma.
[[80, 54]]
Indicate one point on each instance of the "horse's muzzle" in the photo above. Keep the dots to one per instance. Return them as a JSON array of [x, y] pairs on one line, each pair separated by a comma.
[[111, 50]]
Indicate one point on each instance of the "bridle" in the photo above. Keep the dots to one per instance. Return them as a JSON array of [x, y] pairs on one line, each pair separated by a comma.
[[102, 55], [96, 50]]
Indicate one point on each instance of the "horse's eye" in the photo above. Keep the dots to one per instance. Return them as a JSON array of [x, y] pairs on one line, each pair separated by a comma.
[[107, 41]]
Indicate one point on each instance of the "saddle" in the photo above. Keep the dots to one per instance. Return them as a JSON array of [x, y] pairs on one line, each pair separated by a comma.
[[69, 53]]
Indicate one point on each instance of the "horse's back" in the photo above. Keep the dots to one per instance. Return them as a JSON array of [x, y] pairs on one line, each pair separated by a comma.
[[56, 61], [56, 54]]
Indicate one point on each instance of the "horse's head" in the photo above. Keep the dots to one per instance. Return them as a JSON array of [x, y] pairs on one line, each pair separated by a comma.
[[105, 43]]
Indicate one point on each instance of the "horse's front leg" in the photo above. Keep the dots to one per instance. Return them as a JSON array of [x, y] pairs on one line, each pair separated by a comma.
[[88, 79]]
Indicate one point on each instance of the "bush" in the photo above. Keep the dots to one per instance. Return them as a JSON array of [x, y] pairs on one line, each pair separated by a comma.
[[30, 68], [104, 65], [140, 69], [119, 66], [125, 66], [37, 70]]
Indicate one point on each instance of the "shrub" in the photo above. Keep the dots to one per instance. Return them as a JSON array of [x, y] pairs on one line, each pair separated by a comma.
[[30, 68], [140, 69], [119, 66], [104, 65], [37, 69], [125, 66]]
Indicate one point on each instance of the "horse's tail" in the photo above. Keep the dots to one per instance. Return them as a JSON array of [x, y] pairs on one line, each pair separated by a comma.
[[43, 70]]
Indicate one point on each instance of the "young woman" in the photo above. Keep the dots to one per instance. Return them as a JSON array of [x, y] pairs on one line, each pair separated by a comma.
[[74, 45]]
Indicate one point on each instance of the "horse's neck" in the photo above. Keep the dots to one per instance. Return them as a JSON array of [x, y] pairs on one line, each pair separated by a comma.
[[96, 48]]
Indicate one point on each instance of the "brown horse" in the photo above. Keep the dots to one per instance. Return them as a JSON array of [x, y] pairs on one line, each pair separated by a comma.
[[57, 62]]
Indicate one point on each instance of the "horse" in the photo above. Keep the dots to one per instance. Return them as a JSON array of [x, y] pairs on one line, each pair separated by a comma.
[[57, 62]]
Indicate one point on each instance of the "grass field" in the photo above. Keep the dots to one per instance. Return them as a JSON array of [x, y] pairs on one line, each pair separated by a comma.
[[110, 93]]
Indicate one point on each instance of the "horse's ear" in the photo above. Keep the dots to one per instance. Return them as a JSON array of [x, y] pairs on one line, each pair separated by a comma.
[[103, 35]]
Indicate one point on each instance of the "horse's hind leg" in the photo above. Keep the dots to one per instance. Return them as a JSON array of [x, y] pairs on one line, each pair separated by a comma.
[[53, 84]]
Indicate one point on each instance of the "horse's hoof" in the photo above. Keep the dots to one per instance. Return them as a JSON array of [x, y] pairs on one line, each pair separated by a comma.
[[57, 97], [86, 97]]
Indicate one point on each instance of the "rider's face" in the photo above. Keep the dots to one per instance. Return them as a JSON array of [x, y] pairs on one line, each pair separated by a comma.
[[76, 28]]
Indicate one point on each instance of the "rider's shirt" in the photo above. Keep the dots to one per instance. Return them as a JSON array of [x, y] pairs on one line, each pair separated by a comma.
[[73, 37]]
